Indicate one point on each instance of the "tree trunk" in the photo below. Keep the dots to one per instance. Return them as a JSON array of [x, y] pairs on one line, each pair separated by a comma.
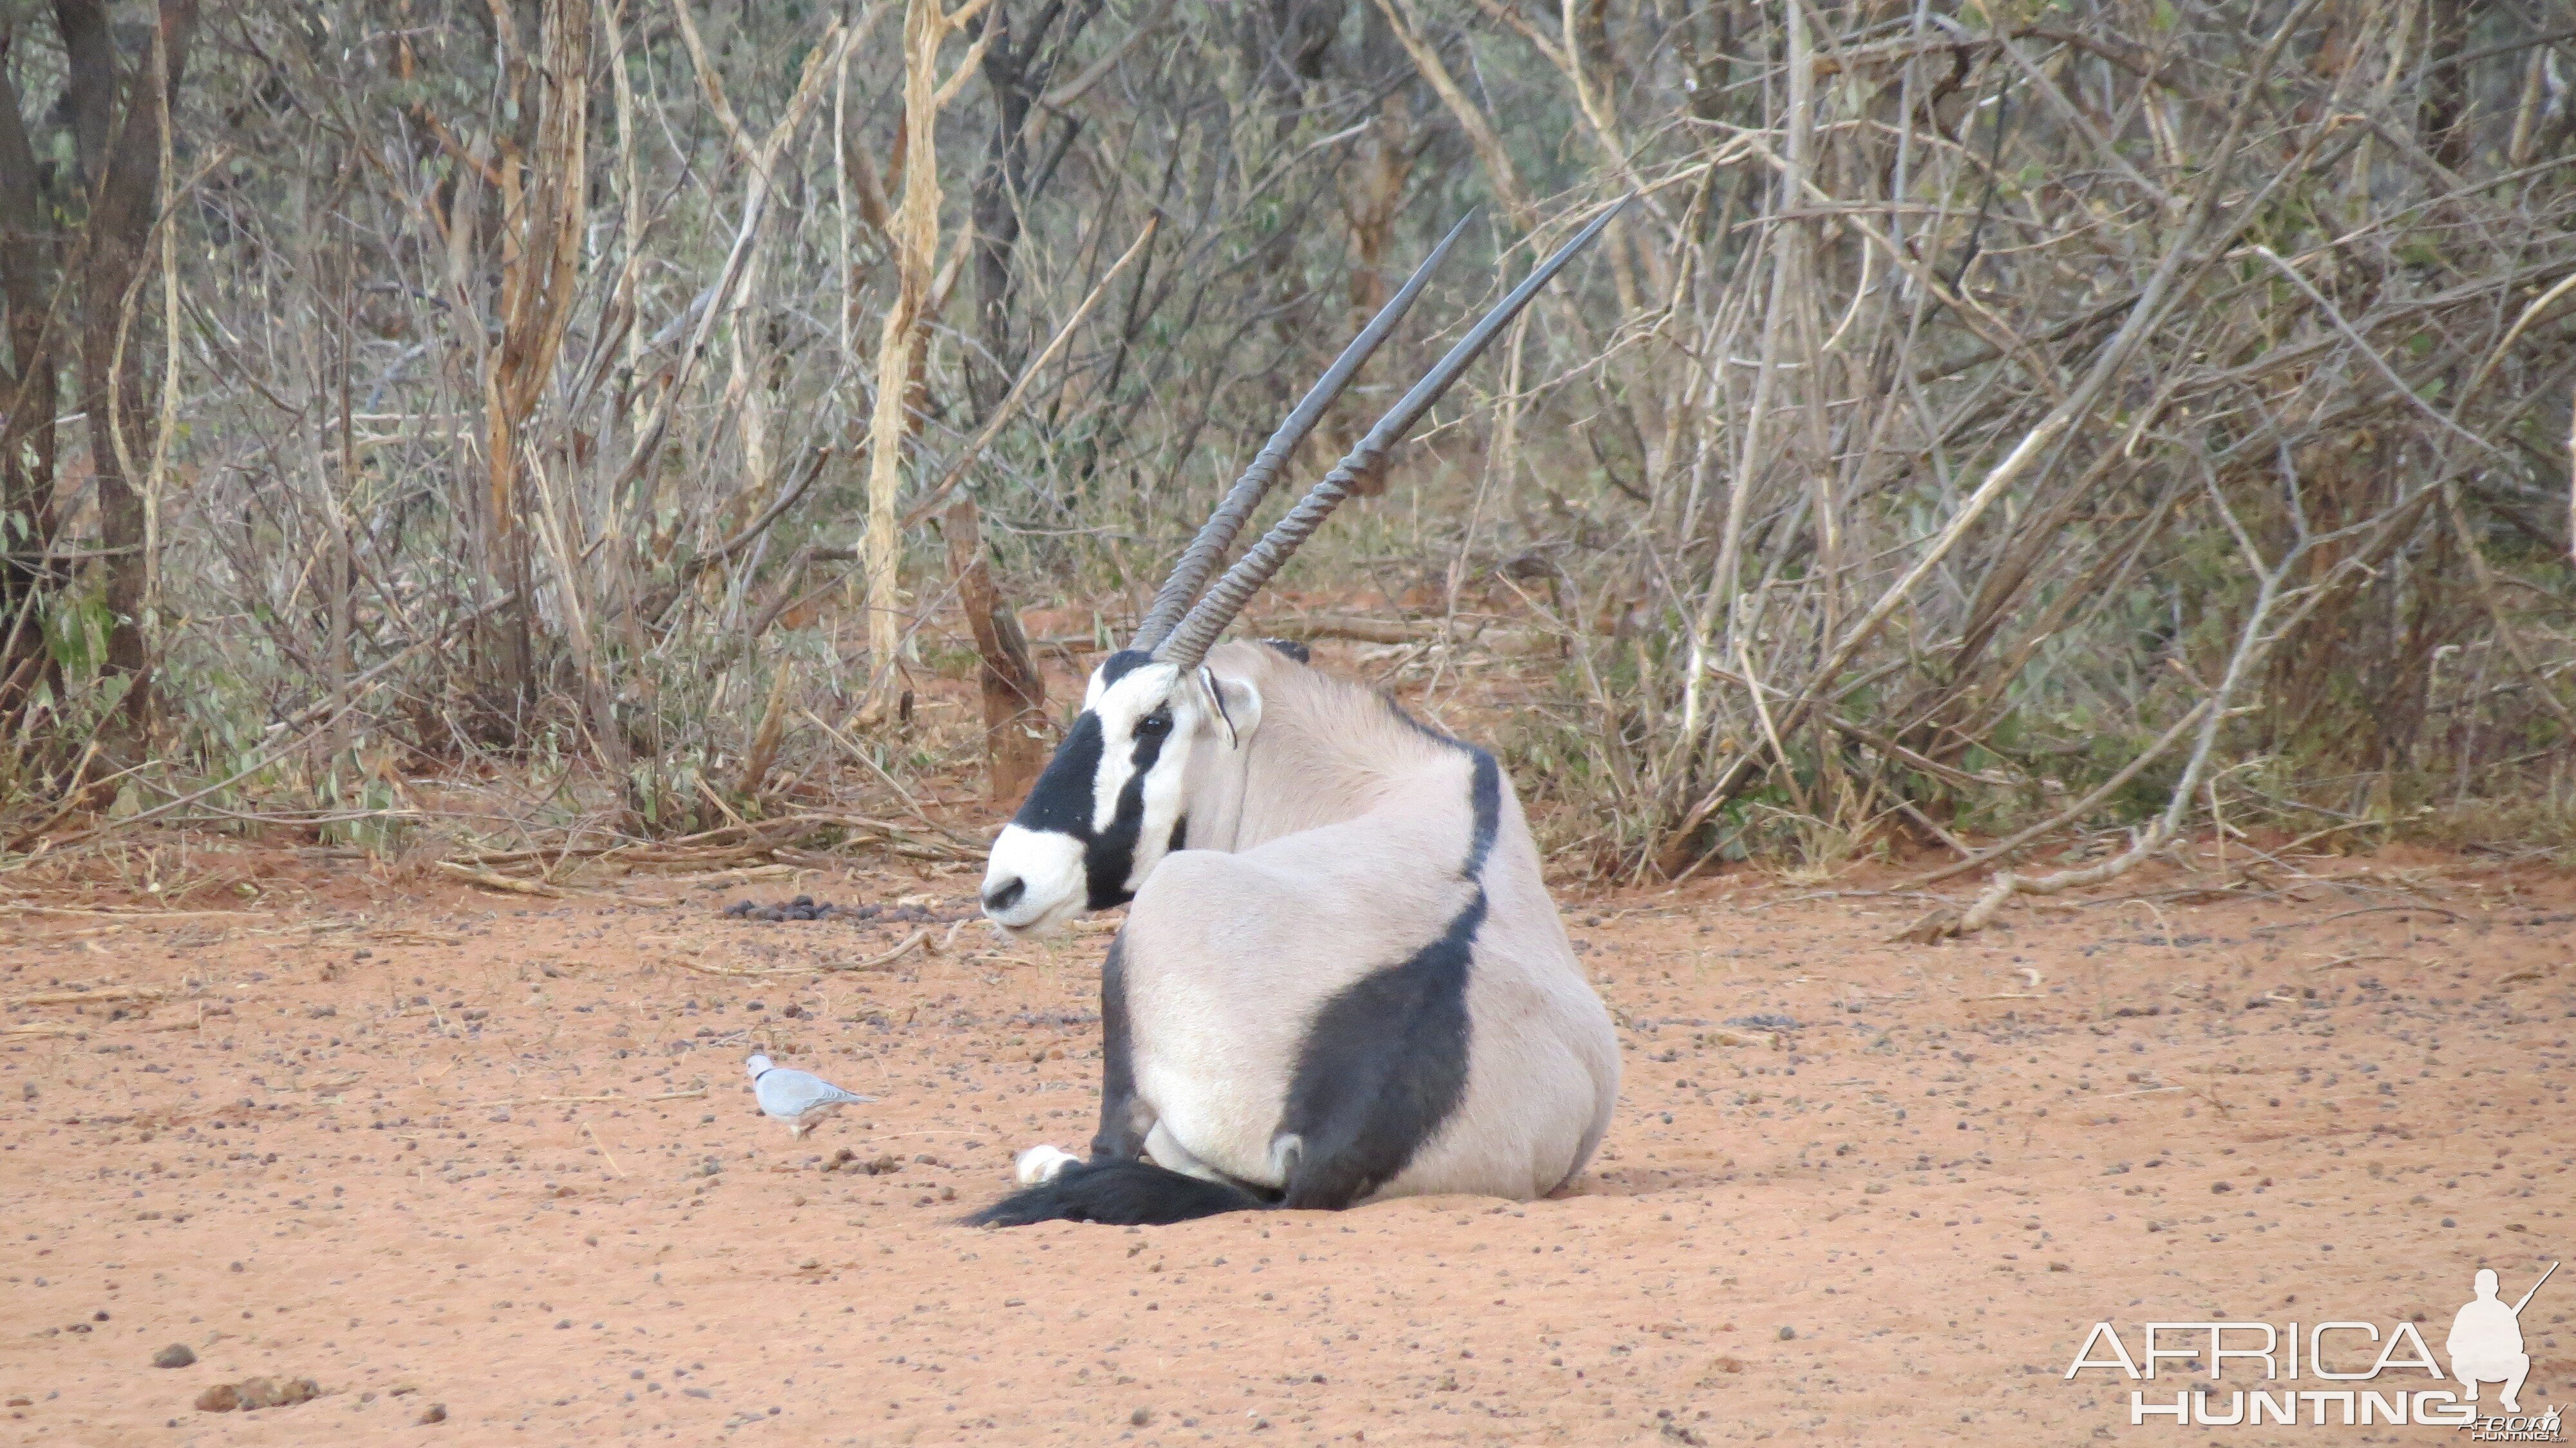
[[1014, 691], [2446, 96], [1016, 73], [29, 399], [545, 202], [997, 201], [1373, 199], [1286, 45], [916, 252], [121, 169]]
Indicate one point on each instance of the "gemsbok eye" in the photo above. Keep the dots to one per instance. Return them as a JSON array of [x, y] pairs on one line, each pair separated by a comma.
[[1158, 722]]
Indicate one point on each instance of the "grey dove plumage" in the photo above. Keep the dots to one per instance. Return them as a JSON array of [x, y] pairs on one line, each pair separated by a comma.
[[799, 1098]]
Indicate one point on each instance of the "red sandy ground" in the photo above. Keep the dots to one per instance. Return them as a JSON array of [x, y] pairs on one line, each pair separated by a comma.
[[404, 1141]]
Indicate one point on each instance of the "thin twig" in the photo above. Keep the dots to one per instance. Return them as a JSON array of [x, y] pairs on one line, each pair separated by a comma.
[[691, 1094], [914, 942], [502, 883]]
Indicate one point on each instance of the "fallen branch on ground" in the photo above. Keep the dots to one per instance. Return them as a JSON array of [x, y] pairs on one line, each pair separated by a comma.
[[2347, 914], [593, 1133], [918, 938], [82, 998], [15, 907], [502, 883]]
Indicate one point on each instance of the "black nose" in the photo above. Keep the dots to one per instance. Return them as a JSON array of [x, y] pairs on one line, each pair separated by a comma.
[[1005, 895]]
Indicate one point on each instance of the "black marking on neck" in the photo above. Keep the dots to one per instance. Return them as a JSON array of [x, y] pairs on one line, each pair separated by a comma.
[[763, 1071], [1291, 649], [1122, 663], [1382, 1067], [1484, 794], [1180, 834]]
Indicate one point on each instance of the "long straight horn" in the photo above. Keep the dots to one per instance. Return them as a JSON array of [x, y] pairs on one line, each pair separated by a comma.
[[1190, 641], [1216, 536]]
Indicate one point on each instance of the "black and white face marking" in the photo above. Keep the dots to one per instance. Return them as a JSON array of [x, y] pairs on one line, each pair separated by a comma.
[[1109, 805]]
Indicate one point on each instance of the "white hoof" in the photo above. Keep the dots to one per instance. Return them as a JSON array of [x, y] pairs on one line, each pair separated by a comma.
[[1041, 1164]]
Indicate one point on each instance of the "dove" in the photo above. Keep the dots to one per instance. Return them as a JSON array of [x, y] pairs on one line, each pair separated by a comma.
[[799, 1098]]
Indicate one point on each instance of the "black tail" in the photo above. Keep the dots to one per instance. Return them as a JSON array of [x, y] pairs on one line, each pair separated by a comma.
[[1118, 1194]]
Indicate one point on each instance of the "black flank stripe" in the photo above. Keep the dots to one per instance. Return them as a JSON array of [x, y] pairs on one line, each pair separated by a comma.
[[1382, 1066], [1384, 1063]]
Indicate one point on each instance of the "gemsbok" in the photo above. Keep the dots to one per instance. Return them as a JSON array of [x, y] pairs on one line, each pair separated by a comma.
[[1340, 977]]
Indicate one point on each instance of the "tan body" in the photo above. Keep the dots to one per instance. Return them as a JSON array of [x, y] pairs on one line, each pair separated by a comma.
[[1341, 978], [1327, 844]]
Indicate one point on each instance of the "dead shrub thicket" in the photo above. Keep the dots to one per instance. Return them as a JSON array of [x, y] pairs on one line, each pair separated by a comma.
[[1989, 420], [2068, 416]]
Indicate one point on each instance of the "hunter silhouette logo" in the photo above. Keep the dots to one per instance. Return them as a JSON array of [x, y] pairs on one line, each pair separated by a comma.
[[2486, 1341], [2485, 1346]]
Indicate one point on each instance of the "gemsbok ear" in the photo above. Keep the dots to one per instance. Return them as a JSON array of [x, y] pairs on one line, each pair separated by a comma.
[[1238, 705]]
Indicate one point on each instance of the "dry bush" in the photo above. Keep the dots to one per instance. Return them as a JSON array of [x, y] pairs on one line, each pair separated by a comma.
[[1986, 418], [1996, 395]]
